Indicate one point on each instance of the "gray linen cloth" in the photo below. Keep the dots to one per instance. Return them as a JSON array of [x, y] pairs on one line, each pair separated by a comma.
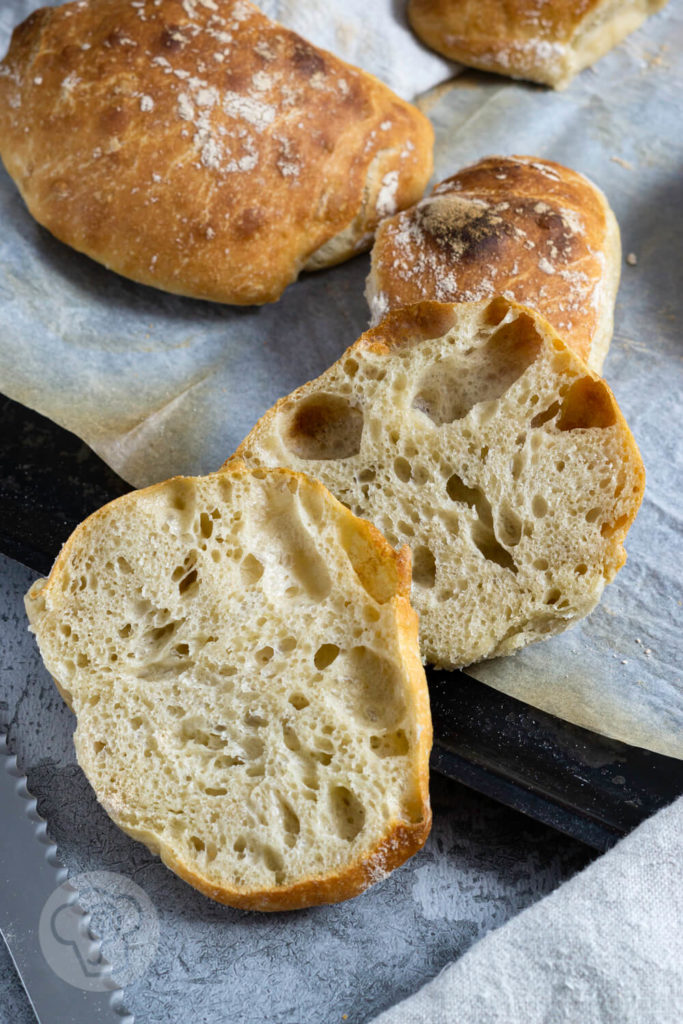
[[604, 948]]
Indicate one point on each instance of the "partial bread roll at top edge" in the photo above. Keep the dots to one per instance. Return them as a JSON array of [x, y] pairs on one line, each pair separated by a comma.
[[201, 147], [545, 41], [530, 229], [473, 434], [242, 659]]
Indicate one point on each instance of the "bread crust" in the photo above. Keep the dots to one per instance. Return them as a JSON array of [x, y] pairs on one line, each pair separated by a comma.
[[202, 148], [530, 229], [547, 42], [403, 837]]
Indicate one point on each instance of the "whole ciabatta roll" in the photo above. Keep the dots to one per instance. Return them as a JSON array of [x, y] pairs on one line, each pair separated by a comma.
[[518, 226], [242, 659], [473, 434], [200, 147], [546, 41]]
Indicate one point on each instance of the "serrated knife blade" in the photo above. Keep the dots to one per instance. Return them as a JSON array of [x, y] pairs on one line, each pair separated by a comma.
[[30, 874]]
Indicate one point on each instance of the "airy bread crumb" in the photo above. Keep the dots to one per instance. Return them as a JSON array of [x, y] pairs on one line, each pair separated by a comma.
[[242, 659]]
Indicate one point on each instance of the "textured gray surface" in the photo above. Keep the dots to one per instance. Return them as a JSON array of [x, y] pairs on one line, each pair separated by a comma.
[[482, 864]]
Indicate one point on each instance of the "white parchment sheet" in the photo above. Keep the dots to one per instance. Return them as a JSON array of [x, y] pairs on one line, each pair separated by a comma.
[[159, 385]]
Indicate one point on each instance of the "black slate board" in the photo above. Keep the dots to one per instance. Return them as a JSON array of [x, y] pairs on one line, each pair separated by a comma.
[[574, 780]]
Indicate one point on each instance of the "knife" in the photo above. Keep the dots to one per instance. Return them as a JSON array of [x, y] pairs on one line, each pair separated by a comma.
[[30, 878]]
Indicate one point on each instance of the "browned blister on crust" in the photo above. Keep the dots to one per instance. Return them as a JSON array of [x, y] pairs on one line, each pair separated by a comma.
[[519, 226], [242, 658], [546, 41], [202, 148]]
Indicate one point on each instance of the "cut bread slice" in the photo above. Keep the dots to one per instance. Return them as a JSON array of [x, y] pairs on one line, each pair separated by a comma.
[[242, 659], [472, 433]]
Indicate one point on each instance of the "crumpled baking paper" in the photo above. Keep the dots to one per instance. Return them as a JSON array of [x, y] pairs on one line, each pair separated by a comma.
[[159, 384]]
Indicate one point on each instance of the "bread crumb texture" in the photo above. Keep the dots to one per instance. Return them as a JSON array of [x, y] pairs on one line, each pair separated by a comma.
[[473, 434], [243, 663], [201, 147], [518, 226]]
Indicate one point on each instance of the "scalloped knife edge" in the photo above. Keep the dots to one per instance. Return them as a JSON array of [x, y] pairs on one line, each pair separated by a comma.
[[30, 871]]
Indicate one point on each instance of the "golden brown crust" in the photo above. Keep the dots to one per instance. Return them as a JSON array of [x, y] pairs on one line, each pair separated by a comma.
[[404, 837], [530, 229], [546, 41], [201, 148]]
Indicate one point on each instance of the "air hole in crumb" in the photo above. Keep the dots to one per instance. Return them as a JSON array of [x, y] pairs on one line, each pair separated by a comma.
[[509, 526], [124, 631], [290, 821], [517, 465], [325, 655], [324, 426], [402, 469], [182, 650], [449, 390], [424, 567], [98, 746], [553, 596], [366, 476], [548, 414], [188, 584], [136, 722], [287, 645], [240, 844], [251, 569], [298, 701], [215, 791], [393, 744], [351, 367], [291, 739], [205, 525], [348, 813], [587, 404], [264, 655], [198, 844], [541, 564], [539, 506], [592, 514], [581, 569]]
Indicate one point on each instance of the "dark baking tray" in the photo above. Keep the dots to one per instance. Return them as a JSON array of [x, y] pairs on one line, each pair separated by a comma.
[[574, 780]]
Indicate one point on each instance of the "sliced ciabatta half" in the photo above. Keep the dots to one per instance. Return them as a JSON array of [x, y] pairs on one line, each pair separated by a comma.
[[243, 661], [473, 434]]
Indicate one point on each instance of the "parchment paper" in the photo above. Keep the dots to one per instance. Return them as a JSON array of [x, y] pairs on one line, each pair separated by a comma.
[[159, 385]]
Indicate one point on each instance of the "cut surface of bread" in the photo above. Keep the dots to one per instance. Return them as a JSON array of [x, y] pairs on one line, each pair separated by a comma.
[[473, 434], [201, 147], [518, 226], [546, 41], [242, 659]]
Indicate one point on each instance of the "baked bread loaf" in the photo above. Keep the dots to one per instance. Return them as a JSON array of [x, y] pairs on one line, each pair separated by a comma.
[[546, 41], [472, 433], [242, 659], [518, 226], [200, 147]]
